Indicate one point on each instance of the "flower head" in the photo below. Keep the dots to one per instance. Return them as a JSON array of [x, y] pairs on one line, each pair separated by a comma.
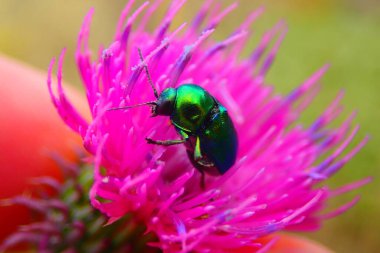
[[275, 182]]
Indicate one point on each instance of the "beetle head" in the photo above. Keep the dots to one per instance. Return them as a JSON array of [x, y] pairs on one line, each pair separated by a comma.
[[165, 102]]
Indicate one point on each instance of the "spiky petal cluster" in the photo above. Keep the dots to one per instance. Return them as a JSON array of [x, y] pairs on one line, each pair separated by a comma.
[[274, 184]]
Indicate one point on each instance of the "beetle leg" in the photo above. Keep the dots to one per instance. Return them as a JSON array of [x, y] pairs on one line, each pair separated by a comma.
[[206, 163], [203, 180], [197, 150], [184, 135], [198, 155], [164, 143]]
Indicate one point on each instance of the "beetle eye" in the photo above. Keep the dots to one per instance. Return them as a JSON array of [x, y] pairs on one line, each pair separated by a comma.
[[164, 107]]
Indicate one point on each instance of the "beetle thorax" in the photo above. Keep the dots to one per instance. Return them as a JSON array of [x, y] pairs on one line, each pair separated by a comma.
[[191, 107]]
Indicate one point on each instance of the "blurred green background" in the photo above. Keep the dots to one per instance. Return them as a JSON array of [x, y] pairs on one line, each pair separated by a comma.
[[343, 33]]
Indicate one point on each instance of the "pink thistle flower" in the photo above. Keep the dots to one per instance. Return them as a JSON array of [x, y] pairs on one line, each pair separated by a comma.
[[274, 184]]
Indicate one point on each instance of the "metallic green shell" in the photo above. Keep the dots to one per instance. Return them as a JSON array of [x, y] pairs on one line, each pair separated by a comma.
[[191, 108], [210, 135], [218, 139]]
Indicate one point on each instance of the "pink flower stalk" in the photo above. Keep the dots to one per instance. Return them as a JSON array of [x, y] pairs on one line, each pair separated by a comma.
[[275, 183]]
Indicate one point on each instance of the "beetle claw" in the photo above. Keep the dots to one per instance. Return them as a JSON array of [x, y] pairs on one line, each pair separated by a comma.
[[149, 140]]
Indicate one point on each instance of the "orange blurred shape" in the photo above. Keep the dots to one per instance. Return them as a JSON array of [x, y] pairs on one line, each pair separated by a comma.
[[30, 131], [287, 243]]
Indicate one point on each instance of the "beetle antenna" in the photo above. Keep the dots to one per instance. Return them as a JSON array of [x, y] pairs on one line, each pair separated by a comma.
[[147, 73], [132, 106]]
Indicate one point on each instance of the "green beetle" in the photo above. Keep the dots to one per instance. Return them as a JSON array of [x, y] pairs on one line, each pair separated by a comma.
[[203, 123]]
